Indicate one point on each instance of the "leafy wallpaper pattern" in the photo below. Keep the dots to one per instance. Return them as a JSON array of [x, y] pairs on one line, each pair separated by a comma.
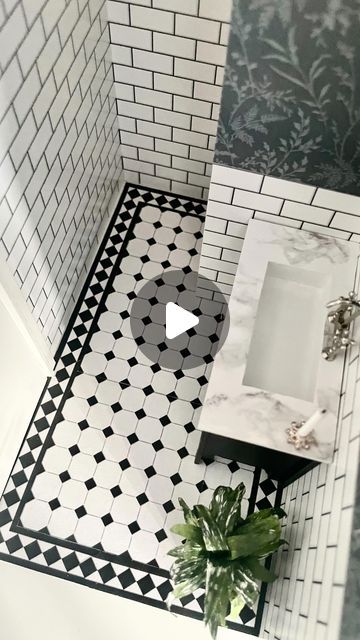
[[291, 99]]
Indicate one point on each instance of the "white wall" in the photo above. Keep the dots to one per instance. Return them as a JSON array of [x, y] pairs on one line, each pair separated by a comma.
[[34, 605], [169, 58], [59, 148]]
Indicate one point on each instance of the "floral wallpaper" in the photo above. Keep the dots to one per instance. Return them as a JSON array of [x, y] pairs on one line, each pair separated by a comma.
[[291, 99]]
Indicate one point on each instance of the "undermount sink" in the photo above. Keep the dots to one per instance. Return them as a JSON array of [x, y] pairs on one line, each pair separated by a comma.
[[288, 333]]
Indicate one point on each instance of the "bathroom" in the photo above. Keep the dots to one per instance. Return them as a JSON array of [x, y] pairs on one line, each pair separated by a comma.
[[218, 140]]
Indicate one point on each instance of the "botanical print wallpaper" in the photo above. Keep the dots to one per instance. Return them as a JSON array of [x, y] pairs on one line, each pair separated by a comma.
[[291, 99]]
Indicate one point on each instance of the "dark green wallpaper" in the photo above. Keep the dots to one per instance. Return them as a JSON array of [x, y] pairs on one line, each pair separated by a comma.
[[291, 99]]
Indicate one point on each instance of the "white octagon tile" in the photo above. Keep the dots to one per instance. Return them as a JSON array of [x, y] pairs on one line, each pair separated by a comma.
[[143, 546], [117, 370], [100, 416], [156, 405], [174, 436], [36, 515], [125, 509], [102, 342], [191, 472], [116, 448], [167, 462], [91, 441], [108, 392], [117, 302], [66, 434], [56, 460], [151, 517], [140, 376], [98, 501], [164, 382], [216, 474], [181, 412], [82, 467], [116, 538], [149, 429], [109, 321], [125, 283], [89, 530], [84, 386], [46, 486], [131, 399], [63, 522], [72, 494], [189, 493], [170, 219], [159, 489], [141, 455], [124, 423], [133, 482], [107, 474], [125, 348], [75, 409], [94, 363]]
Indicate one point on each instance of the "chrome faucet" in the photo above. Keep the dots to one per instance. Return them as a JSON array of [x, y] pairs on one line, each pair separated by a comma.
[[343, 312]]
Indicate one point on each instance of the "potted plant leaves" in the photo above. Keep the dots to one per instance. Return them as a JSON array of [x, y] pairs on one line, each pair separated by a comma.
[[222, 553]]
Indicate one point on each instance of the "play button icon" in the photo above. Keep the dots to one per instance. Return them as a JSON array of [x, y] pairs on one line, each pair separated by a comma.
[[178, 320], [174, 325]]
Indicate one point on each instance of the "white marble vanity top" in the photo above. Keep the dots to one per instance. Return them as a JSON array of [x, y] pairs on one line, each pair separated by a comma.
[[260, 416]]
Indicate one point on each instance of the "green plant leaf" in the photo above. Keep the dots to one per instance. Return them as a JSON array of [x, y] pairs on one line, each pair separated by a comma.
[[188, 514], [237, 605], [188, 531], [256, 538], [244, 584], [188, 572], [225, 507], [217, 596], [258, 570], [213, 537], [265, 513]]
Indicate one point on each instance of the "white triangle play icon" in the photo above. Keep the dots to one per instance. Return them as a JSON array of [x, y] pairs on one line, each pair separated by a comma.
[[178, 320]]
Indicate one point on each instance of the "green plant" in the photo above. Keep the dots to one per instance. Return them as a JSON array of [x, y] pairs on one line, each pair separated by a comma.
[[222, 553]]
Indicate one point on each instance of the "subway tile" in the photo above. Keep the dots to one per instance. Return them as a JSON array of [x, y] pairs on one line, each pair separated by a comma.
[[204, 125], [306, 212], [172, 174], [126, 124], [18, 186], [153, 61], [10, 81], [118, 12], [188, 190], [154, 182], [203, 155], [225, 33], [67, 21], [188, 165], [137, 165], [276, 219], [230, 255], [210, 252], [189, 7], [208, 92], [155, 157], [129, 152], [197, 28], [211, 53], [131, 176], [58, 106], [120, 55], [346, 222], [339, 201], [9, 130], [220, 193], [173, 84], [11, 34], [130, 75], [44, 100], [288, 190], [226, 211], [136, 140], [236, 178], [130, 37], [27, 94], [124, 91], [174, 46], [162, 21], [210, 274], [172, 148], [49, 54], [134, 110], [235, 229], [216, 225], [172, 118], [194, 70], [326, 231], [216, 10], [190, 137], [31, 47], [257, 201], [155, 130], [201, 181], [23, 140], [219, 265], [219, 76], [40, 142], [154, 98], [193, 107]]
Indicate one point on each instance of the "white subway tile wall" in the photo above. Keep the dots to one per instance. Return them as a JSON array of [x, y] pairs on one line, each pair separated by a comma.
[[174, 52], [306, 601], [236, 196], [60, 160]]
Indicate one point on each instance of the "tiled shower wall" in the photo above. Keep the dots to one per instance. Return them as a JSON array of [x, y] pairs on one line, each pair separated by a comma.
[[169, 58], [59, 148], [306, 601], [236, 196]]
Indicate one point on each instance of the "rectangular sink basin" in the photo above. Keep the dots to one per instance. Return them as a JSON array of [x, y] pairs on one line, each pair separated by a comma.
[[286, 343]]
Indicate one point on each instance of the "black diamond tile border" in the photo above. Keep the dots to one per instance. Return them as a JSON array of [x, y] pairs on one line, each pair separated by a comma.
[[90, 566]]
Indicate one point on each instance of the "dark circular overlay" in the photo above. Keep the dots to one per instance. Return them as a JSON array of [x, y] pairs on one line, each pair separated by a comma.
[[197, 345]]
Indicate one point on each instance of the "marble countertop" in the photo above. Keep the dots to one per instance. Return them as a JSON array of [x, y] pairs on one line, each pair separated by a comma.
[[257, 415]]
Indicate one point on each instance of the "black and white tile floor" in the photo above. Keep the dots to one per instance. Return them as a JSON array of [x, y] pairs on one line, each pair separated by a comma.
[[95, 488]]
